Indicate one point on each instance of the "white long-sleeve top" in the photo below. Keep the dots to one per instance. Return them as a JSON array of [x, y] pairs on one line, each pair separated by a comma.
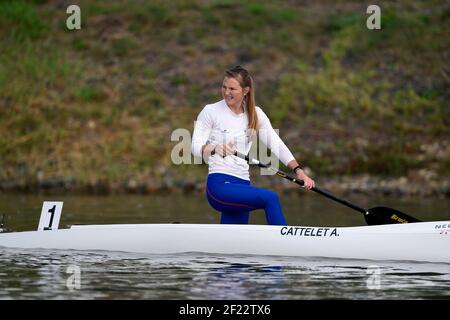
[[218, 124]]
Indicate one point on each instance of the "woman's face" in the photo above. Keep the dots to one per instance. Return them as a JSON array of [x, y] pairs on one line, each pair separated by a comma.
[[232, 91]]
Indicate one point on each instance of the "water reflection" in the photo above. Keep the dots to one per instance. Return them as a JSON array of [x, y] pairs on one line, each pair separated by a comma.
[[43, 275], [222, 279]]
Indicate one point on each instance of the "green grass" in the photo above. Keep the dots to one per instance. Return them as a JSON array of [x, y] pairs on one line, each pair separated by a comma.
[[21, 21], [91, 93], [101, 102]]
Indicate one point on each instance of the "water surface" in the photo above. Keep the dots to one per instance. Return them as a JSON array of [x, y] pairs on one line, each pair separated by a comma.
[[50, 274]]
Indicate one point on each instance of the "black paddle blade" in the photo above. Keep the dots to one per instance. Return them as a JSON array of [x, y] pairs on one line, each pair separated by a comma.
[[384, 215]]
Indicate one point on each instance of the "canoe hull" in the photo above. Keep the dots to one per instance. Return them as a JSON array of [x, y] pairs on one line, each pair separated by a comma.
[[426, 241]]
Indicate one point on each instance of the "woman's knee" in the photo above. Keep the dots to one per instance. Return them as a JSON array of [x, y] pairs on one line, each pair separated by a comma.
[[270, 196]]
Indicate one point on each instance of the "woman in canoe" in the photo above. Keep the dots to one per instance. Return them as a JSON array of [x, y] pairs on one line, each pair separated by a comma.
[[226, 126]]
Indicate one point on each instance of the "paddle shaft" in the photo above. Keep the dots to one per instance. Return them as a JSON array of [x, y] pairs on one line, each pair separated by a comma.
[[301, 183]]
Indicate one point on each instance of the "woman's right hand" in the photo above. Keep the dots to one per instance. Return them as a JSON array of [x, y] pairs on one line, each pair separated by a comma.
[[224, 150]]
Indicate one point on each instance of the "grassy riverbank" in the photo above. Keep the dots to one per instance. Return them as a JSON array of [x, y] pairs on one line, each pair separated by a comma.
[[94, 109]]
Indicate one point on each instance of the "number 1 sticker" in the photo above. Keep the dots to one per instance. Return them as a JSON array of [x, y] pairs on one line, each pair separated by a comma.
[[50, 215]]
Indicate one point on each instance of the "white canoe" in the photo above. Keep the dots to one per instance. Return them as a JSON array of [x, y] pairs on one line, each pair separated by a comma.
[[424, 241]]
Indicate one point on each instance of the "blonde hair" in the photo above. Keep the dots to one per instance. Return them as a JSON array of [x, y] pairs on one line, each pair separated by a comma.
[[245, 80]]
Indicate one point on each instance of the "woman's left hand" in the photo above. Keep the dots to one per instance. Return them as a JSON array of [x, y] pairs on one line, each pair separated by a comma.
[[308, 182]]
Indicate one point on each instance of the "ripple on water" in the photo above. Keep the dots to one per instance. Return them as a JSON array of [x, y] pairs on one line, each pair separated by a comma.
[[107, 275]]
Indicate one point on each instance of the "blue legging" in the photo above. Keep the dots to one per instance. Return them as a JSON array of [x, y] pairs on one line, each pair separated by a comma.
[[235, 198]]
